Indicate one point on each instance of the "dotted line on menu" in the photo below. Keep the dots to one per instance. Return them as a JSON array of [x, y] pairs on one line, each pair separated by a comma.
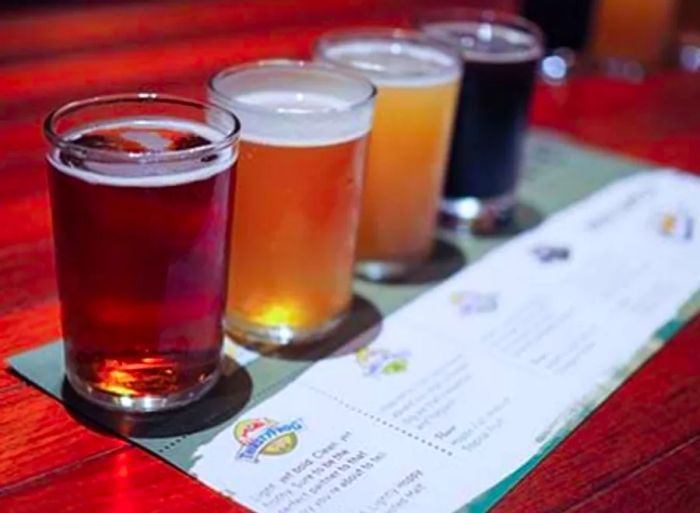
[[171, 444], [381, 421]]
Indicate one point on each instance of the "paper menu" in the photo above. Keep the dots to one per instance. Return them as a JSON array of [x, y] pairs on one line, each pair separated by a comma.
[[468, 382], [625, 269], [339, 461], [454, 396]]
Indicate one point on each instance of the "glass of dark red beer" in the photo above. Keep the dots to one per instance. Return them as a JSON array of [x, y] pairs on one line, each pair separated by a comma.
[[500, 53], [141, 192]]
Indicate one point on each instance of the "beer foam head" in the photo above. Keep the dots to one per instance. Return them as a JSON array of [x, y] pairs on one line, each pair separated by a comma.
[[485, 41], [294, 103], [143, 168], [390, 59]]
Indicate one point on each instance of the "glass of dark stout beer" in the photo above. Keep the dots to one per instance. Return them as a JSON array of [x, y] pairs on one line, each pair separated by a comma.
[[500, 54], [141, 189]]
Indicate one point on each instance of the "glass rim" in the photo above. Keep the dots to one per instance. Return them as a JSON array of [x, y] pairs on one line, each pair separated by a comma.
[[107, 154], [287, 64], [410, 35], [428, 15]]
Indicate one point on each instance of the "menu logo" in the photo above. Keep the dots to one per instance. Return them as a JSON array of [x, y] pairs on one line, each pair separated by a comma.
[[378, 362], [550, 253], [266, 437], [676, 224], [469, 303]]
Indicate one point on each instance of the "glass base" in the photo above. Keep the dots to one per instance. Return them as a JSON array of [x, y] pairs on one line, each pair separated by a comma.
[[259, 336], [629, 70], [689, 51], [382, 270], [483, 216], [142, 404]]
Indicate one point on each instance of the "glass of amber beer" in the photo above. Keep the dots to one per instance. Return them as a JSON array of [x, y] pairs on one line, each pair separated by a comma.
[[141, 192], [630, 36], [302, 160], [418, 84]]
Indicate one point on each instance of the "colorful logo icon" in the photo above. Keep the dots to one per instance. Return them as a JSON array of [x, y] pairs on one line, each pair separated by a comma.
[[378, 362], [677, 224], [548, 254], [470, 303], [266, 437]]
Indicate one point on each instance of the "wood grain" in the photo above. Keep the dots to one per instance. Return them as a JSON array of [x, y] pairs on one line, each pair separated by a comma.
[[649, 489], [29, 326], [9, 381], [652, 413], [158, 62], [123, 481], [25, 218], [650, 120], [26, 272], [638, 453], [101, 28], [39, 437]]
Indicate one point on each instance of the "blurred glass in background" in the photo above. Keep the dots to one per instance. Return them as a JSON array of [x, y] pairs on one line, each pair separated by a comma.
[[689, 35], [566, 26], [565, 23], [631, 37]]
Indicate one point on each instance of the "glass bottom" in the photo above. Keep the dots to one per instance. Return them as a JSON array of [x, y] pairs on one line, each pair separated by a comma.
[[689, 51], [626, 69], [478, 215], [383, 270], [142, 404], [260, 336]]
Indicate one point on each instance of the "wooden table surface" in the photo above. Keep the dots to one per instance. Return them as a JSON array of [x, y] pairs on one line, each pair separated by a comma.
[[640, 452]]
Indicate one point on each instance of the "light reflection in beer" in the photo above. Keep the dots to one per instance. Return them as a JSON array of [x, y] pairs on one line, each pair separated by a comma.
[[279, 314]]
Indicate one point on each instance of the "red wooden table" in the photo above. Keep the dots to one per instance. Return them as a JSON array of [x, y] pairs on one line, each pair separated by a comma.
[[640, 452]]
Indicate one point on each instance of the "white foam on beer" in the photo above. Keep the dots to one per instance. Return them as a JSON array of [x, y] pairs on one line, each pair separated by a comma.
[[147, 173], [486, 41], [301, 119], [393, 62]]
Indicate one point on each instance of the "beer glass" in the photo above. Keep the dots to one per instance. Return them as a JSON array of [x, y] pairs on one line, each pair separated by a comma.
[[565, 23], [418, 82], [688, 37], [629, 35], [141, 189], [500, 54], [303, 146]]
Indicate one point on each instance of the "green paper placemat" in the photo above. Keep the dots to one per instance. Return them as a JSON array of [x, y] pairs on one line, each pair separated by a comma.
[[558, 173]]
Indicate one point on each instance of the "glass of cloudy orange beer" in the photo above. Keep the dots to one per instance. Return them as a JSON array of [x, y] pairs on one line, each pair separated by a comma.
[[301, 166], [418, 83]]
